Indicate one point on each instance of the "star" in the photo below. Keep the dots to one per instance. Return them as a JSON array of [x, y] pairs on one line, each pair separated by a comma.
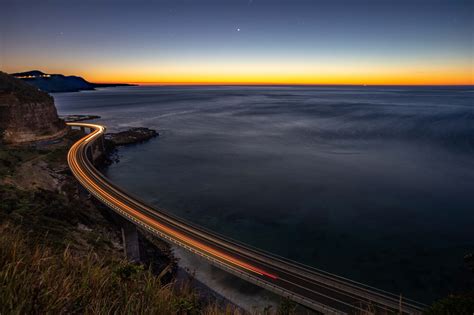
[[238, 29]]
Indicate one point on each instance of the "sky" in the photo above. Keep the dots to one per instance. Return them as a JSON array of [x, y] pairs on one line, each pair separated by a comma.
[[242, 42]]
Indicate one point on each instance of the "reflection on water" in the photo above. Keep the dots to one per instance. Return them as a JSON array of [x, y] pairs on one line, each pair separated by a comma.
[[372, 183]]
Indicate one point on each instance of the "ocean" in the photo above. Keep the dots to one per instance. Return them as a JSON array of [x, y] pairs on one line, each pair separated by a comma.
[[372, 183]]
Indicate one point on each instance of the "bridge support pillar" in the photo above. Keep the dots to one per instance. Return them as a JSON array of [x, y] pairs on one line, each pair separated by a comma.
[[131, 245], [102, 145], [96, 151], [83, 129], [89, 154]]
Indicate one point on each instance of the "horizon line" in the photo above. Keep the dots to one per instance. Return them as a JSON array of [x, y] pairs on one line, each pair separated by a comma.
[[275, 84], [468, 82]]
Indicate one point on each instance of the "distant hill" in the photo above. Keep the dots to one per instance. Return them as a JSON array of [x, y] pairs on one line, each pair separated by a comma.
[[60, 83]]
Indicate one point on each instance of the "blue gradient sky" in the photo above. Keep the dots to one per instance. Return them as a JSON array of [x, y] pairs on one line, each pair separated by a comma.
[[392, 42]]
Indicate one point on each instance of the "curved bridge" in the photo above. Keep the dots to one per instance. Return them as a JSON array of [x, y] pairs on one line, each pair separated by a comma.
[[316, 289]]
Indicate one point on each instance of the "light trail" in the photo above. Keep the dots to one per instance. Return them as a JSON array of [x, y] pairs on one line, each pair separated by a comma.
[[148, 220], [319, 290]]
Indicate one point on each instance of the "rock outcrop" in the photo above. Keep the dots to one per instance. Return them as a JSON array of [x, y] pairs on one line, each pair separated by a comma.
[[26, 114], [133, 135]]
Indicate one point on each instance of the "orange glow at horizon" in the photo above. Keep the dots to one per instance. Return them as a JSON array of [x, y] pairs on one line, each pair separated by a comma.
[[281, 75], [272, 42], [450, 79], [330, 71]]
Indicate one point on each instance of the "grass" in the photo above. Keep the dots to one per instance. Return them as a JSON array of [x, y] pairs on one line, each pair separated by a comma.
[[36, 279], [10, 158], [41, 211]]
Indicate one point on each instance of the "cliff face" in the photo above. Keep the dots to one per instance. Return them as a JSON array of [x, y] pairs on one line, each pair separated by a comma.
[[26, 114]]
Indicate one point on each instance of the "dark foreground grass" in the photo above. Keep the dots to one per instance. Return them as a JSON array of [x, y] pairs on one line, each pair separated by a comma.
[[39, 280]]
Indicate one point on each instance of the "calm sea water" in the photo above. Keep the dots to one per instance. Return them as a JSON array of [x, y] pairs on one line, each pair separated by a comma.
[[372, 183]]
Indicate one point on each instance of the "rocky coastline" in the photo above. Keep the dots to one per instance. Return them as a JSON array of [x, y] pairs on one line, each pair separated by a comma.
[[131, 136]]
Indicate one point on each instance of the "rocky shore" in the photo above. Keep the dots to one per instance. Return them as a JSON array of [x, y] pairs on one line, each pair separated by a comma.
[[132, 135]]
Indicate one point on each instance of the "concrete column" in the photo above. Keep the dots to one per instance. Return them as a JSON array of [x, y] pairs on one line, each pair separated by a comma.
[[83, 129], [102, 144], [130, 241], [89, 154], [96, 151]]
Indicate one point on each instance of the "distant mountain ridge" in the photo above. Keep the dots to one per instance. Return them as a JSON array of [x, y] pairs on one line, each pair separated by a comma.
[[52, 83]]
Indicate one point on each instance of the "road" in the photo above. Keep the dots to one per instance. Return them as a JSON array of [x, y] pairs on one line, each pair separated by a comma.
[[313, 288]]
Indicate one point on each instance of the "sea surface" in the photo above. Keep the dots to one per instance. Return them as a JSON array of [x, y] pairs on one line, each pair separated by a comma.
[[372, 183]]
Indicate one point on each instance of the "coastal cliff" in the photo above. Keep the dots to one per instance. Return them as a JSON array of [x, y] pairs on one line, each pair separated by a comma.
[[26, 114]]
